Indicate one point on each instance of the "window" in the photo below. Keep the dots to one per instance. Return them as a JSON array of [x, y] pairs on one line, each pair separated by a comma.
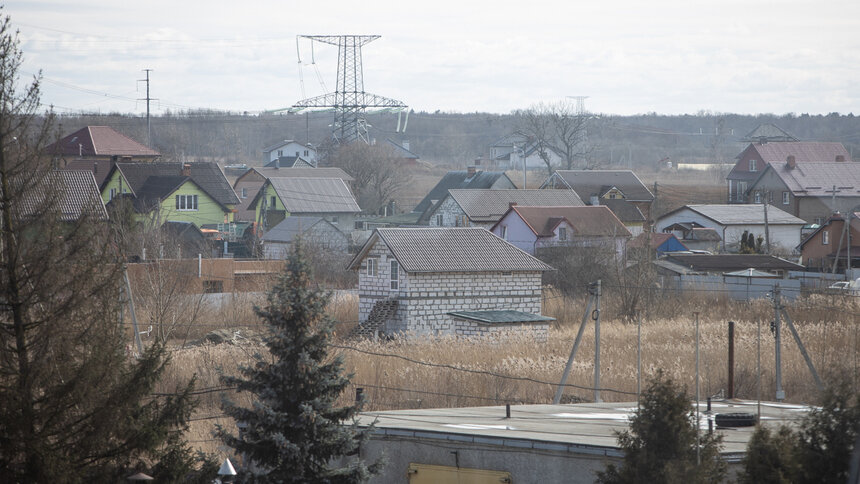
[[280, 153], [371, 267], [297, 154], [112, 193], [562, 233], [333, 220], [752, 165], [244, 193], [613, 196], [273, 203], [306, 152], [359, 225], [439, 219], [825, 237], [757, 197], [185, 203], [785, 198], [505, 232], [395, 276], [210, 287], [742, 190]]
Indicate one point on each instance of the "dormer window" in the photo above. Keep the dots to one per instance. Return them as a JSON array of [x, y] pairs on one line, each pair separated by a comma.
[[562, 233], [752, 165]]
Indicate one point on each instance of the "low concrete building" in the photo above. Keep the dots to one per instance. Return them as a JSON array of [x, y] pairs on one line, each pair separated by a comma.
[[447, 281], [537, 443]]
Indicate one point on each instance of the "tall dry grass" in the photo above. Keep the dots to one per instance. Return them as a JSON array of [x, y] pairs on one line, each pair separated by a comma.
[[414, 372]]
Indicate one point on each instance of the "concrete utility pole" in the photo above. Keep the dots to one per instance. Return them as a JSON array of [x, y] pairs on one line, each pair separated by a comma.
[[780, 393], [147, 99]]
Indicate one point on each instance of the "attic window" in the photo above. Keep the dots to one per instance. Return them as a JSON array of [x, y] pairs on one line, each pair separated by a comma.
[[752, 165], [825, 237]]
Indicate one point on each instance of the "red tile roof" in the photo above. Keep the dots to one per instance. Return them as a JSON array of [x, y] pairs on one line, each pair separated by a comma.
[[99, 141]]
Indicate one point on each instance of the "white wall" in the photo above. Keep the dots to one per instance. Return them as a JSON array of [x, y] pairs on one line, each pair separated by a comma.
[[785, 237]]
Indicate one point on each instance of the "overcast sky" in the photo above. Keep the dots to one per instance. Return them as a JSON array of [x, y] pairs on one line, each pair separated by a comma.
[[629, 57]]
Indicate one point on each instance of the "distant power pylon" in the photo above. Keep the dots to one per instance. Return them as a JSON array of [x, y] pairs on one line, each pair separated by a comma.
[[580, 104], [349, 100]]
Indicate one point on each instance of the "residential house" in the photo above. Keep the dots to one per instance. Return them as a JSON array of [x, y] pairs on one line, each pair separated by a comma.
[[179, 192], [329, 198], [459, 179], [657, 243], [810, 191], [97, 149], [594, 187], [732, 221], [768, 133], [510, 150], [251, 181], [459, 281], [535, 228], [290, 147], [627, 212], [317, 232], [833, 242], [757, 156], [696, 237], [77, 196], [401, 150], [289, 162], [483, 208]]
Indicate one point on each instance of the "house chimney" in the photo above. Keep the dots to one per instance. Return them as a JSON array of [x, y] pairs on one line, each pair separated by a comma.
[[790, 163], [80, 150], [512, 204], [471, 170], [840, 158], [96, 168], [186, 169], [277, 162]]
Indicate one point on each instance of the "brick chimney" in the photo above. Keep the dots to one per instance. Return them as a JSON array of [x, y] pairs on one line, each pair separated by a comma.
[[512, 204], [790, 162], [186, 169], [840, 158]]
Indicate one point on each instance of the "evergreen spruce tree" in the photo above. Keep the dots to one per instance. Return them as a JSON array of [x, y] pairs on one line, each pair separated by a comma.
[[294, 432], [661, 443]]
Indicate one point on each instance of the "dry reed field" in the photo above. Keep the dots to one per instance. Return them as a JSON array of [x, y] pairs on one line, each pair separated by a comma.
[[453, 372]]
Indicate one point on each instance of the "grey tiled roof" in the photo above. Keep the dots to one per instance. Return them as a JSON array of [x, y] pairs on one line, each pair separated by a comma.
[[459, 179], [624, 210], [315, 195], [206, 175], [500, 317], [77, 195], [490, 205], [452, 249], [289, 162], [290, 227], [588, 183], [739, 214], [818, 179]]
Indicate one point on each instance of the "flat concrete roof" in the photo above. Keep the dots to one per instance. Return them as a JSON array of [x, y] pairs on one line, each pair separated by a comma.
[[577, 428]]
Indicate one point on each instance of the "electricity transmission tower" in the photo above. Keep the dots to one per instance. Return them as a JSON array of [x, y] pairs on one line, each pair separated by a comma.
[[349, 100]]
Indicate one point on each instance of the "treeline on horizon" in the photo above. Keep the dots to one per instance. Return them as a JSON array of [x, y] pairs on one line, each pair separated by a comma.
[[457, 139]]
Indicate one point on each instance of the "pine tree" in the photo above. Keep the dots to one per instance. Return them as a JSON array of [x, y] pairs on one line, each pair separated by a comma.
[[294, 430], [661, 443], [74, 406]]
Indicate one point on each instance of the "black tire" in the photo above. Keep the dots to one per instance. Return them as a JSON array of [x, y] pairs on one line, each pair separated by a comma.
[[735, 419]]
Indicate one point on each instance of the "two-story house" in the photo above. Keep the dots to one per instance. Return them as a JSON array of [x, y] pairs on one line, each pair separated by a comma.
[[249, 183], [810, 191], [329, 198], [470, 178], [595, 187], [833, 243], [535, 228], [459, 281], [198, 192], [291, 148], [483, 208], [757, 156]]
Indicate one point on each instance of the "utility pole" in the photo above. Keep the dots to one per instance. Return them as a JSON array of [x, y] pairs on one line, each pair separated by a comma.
[[766, 227], [596, 318], [593, 298], [147, 99], [780, 393]]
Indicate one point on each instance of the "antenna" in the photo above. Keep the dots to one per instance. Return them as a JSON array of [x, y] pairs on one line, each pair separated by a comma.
[[349, 99]]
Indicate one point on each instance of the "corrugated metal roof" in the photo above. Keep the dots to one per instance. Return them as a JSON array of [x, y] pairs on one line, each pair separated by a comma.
[[453, 249], [99, 141], [315, 195], [501, 317], [459, 179], [588, 183], [595, 220], [732, 262], [490, 205], [304, 172], [741, 214], [290, 227], [803, 151], [76, 192], [818, 179], [206, 175]]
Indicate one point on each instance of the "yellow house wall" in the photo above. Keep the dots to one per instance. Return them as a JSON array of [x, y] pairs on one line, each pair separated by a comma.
[[268, 193], [208, 210]]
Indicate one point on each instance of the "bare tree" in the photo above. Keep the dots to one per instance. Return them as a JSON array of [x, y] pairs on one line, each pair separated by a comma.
[[557, 127], [379, 174]]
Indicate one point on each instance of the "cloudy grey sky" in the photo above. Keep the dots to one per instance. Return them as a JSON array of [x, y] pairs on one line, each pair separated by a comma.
[[628, 56]]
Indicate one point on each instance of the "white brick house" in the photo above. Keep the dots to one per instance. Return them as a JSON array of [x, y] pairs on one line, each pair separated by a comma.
[[411, 280]]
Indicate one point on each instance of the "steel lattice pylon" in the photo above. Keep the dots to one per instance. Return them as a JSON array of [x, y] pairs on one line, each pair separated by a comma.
[[349, 100]]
